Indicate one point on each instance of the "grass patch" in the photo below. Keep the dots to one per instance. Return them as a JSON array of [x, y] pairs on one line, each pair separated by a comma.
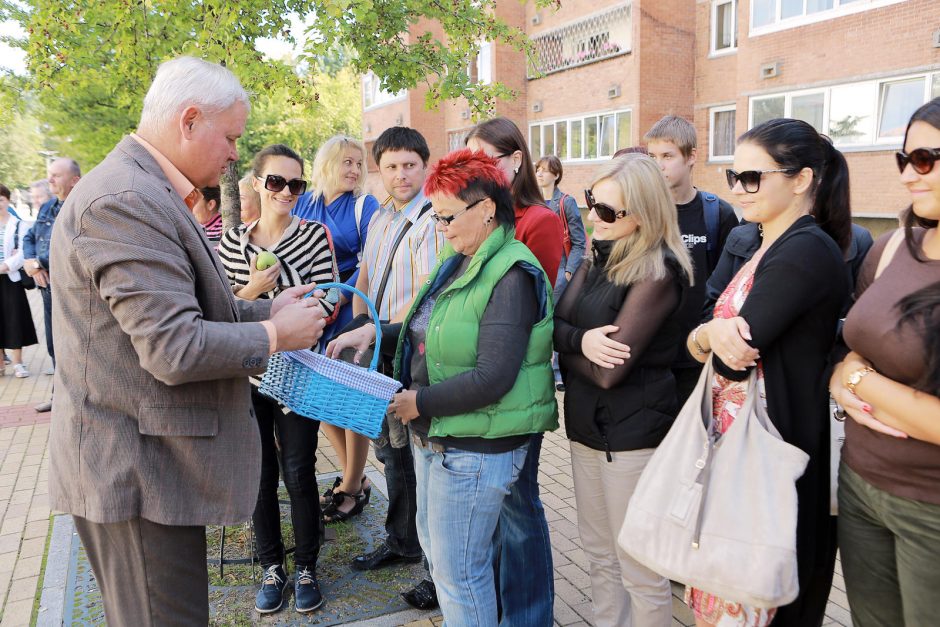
[[34, 617]]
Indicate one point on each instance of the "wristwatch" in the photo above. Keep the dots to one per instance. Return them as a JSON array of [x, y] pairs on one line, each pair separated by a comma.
[[856, 377]]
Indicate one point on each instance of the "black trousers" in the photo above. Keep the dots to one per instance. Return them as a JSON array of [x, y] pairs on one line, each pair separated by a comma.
[[149, 574], [297, 437]]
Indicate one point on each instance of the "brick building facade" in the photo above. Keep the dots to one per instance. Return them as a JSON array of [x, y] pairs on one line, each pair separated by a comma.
[[609, 69]]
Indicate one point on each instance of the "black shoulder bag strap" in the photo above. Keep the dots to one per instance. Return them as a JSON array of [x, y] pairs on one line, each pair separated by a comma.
[[380, 293]]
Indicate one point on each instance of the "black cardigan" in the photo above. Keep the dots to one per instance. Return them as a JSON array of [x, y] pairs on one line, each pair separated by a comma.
[[631, 406], [800, 286]]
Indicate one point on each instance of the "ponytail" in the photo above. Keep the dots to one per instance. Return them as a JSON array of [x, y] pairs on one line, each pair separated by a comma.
[[831, 206]]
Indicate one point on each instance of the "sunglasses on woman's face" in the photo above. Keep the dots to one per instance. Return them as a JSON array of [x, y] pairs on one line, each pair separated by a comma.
[[921, 159], [275, 183], [604, 211], [750, 179]]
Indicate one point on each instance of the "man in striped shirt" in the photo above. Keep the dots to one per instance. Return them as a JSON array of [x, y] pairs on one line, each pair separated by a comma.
[[400, 251]]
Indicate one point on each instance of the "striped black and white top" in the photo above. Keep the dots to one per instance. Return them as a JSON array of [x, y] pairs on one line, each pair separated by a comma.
[[305, 251]]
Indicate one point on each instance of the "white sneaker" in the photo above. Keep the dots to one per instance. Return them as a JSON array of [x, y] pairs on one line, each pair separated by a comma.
[[20, 371], [49, 371]]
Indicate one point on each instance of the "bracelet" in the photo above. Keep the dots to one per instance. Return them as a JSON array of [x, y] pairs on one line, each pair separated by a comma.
[[698, 347], [856, 377]]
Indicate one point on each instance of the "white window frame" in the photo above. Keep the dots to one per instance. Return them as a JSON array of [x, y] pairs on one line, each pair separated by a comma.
[[713, 51], [838, 9], [711, 133], [877, 143], [542, 124], [382, 97]]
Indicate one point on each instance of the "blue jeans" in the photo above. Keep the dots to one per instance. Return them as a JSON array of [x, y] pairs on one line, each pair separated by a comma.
[[46, 294], [401, 534], [460, 494], [525, 547]]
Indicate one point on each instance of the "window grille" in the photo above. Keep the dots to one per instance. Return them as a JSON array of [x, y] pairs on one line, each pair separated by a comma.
[[593, 38]]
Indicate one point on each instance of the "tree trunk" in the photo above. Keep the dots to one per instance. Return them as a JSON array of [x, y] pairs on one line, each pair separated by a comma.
[[231, 203]]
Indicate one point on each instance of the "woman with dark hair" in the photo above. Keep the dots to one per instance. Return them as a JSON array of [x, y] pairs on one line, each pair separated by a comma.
[[473, 355], [16, 320], [524, 545], [779, 315], [206, 212], [303, 254], [889, 385]]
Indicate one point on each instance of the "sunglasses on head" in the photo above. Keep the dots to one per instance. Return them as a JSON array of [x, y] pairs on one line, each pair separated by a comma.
[[275, 183], [604, 211], [750, 179], [921, 159]]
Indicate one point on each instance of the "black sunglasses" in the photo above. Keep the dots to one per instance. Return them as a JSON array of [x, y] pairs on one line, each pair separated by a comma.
[[921, 159], [446, 220], [604, 211], [750, 179], [275, 183]]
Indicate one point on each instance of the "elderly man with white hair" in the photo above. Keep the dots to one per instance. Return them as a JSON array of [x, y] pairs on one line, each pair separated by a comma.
[[152, 433]]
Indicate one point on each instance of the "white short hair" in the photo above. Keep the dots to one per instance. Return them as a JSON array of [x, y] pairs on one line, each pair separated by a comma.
[[188, 81]]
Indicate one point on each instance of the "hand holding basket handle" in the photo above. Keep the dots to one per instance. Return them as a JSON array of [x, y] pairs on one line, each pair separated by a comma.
[[361, 338], [298, 319]]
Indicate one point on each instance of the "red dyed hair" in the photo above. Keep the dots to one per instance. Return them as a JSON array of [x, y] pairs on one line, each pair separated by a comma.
[[458, 169]]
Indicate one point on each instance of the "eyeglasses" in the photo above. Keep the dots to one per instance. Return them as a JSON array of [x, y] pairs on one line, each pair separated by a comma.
[[446, 220], [750, 179], [921, 159], [275, 183], [604, 211]]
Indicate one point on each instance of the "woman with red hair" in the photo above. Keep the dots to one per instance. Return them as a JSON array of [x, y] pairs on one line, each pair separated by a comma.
[[473, 355]]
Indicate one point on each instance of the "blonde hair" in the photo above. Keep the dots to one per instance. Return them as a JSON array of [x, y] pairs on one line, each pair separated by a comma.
[[245, 185], [325, 171], [677, 130], [642, 254]]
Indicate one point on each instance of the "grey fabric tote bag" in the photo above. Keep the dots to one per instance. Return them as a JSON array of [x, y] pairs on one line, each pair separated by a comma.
[[720, 513]]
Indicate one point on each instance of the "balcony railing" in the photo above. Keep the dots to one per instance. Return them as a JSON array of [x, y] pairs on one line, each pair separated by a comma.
[[599, 36]]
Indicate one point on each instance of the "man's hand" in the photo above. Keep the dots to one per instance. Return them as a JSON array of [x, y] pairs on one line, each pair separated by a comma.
[[299, 324], [294, 295], [41, 277]]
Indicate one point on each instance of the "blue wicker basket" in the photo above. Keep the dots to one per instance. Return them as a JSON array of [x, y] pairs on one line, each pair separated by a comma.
[[336, 392]]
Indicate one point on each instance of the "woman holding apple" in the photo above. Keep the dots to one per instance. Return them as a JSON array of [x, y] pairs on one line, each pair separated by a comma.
[[278, 251]]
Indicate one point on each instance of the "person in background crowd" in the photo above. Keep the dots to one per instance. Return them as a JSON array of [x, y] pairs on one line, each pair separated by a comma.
[[889, 385], [39, 194], [779, 314], [249, 200], [206, 212], [630, 150], [524, 545], [288, 440], [617, 329], [704, 220], [471, 412], [63, 174], [548, 172], [400, 253], [16, 320], [152, 433]]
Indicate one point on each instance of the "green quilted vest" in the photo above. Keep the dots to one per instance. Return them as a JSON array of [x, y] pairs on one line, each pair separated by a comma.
[[451, 342]]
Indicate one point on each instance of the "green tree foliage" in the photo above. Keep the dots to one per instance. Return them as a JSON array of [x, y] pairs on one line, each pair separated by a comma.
[[20, 139], [91, 61]]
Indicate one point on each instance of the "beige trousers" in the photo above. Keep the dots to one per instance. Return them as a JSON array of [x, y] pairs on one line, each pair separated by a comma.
[[624, 592]]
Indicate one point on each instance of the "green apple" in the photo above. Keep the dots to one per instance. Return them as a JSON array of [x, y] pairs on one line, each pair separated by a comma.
[[265, 260]]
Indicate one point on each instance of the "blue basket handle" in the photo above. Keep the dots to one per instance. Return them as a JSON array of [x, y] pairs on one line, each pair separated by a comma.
[[372, 312]]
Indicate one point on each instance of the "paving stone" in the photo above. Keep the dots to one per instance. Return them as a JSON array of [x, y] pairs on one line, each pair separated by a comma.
[[8, 562], [574, 574], [32, 547], [9, 542], [37, 529], [21, 496], [15, 510], [23, 589], [27, 566], [564, 615], [568, 593], [17, 613], [12, 525]]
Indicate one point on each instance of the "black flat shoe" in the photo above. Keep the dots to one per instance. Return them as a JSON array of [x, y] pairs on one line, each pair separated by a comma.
[[380, 558], [423, 596]]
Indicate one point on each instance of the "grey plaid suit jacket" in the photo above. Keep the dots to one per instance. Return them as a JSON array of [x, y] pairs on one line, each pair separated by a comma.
[[152, 412]]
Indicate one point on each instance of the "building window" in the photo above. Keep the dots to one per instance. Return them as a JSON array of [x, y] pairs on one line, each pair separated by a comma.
[[721, 138], [457, 139], [724, 26], [599, 36], [595, 136], [480, 68], [865, 114], [771, 15], [373, 95]]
